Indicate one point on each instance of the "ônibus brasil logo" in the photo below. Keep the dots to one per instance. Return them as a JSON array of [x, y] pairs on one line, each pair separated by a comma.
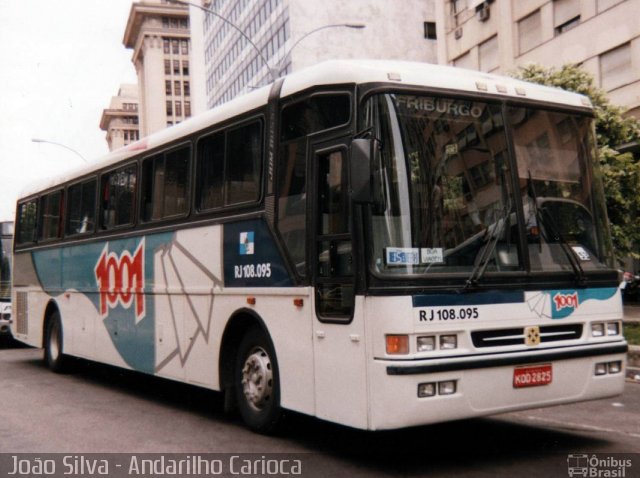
[[121, 280]]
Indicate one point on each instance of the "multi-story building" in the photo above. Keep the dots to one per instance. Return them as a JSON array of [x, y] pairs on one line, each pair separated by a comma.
[[499, 35], [158, 32], [377, 29], [120, 120]]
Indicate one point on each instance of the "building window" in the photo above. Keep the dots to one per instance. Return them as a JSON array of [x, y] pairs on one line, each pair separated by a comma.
[[175, 47], [167, 87], [178, 108], [566, 15], [187, 109], [464, 61], [176, 88], [166, 45], [185, 67], [169, 108], [167, 67], [489, 57], [615, 67], [529, 32], [176, 67], [430, 30], [185, 46], [186, 88]]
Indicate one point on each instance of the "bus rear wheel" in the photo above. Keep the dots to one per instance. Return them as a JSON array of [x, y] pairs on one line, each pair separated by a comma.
[[54, 345], [257, 383]]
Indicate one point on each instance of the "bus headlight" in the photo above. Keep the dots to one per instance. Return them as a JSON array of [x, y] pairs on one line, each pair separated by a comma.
[[426, 389], [447, 388], [427, 343], [601, 369], [597, 329], [613, 328], [448, 342], [615, 367]]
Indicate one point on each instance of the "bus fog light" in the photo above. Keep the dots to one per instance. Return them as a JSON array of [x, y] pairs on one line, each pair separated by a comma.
[[601, 369], [426, 389], [447, 388], [397, 344], [448, 342], [615, 367], [426, 344], [597, 329], [613, 328]]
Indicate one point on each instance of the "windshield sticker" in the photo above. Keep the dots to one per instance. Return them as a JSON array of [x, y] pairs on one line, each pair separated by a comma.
[[402, 256], [433, 255], [582, 253]]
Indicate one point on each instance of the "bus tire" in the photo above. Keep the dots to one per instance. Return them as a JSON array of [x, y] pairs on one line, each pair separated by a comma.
[[54, 345], [257, 382]]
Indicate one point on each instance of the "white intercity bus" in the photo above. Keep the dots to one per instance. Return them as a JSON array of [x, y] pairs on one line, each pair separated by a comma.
[[377, 244], [6, 254]]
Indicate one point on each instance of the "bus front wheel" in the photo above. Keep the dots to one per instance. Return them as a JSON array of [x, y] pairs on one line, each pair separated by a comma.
[[54, 344], [257, 382]]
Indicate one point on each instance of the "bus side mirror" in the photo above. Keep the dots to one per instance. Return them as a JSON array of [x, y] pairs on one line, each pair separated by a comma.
[[362, 152]]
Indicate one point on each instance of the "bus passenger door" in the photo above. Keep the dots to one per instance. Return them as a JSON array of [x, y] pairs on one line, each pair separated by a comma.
[[338, 332]]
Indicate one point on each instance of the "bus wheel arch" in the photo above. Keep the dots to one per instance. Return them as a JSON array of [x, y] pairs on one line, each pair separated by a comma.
[[249, 373], [53, 339]]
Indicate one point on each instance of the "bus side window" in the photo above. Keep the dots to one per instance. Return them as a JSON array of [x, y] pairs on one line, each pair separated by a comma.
[[210, 170], [81, 208], [165, 184], [243, 164], [117, 196], [50, 215], [26, 217]]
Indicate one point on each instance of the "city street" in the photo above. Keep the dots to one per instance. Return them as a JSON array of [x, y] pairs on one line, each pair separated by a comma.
[[100, 409]]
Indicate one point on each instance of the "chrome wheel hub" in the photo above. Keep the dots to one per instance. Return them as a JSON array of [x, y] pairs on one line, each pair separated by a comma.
[[257, 378]]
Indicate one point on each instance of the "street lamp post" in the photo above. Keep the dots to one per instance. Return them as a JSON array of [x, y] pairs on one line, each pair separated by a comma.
[[273, 73], [39, 140]]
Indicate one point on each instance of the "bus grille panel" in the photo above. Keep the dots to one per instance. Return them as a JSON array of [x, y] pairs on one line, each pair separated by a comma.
[[516, 336]]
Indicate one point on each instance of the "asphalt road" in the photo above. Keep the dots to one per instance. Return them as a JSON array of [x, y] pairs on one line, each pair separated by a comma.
[[100, 409]]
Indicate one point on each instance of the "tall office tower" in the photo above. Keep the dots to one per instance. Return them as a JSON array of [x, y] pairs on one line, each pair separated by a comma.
[[120, 120], [293, 34], [158, 32]]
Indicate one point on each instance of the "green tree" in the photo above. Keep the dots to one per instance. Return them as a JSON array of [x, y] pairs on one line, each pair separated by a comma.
[[621, 172]]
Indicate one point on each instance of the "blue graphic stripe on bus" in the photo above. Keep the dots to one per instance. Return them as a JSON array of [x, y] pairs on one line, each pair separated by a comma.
[[470, 298], [127, 311], [566, 302], [251, 258]]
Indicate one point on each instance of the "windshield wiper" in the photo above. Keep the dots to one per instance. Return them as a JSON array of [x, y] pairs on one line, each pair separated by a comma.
[[544, 218], [489, 248]]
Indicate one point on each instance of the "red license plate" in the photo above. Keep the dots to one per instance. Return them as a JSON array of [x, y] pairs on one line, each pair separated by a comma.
[[532, 376]]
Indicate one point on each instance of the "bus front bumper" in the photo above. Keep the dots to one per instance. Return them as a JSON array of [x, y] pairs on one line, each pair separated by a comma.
[[472, 386]]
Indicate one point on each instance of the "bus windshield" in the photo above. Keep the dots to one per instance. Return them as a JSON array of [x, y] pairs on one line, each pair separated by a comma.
[[447, 189]]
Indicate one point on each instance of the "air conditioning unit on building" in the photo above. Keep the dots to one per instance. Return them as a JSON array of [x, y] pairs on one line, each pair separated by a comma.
[[483, 12], [458, 33]]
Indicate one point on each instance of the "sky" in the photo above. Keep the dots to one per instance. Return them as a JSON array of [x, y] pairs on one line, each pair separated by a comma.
[[63, 61]]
